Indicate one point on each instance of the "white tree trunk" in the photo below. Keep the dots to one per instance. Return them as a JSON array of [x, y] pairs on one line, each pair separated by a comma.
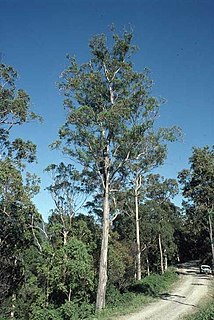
[[65, 237], [12, 313], [147, 263], [161, 254], [165, 260], [101, 291], [138, 260]]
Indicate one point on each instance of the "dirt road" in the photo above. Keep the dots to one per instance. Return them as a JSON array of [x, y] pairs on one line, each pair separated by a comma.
[[192, 287]]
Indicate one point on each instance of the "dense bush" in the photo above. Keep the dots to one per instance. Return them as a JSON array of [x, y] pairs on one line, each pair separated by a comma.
[[115, 298], [154, 284], [120, 264], [49, 313], [74, 311], [69, 310]]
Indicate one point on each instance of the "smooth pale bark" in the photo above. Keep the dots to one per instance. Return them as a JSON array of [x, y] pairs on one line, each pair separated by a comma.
[[138, 260], [100, 303], [161, 253], [12, 313], [101, 291], [65, 237], [69, 295], [147, 263], [138, 183], [165, 260]]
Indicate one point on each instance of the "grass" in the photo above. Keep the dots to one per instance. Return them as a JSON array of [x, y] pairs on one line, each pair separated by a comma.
[[205, 313]]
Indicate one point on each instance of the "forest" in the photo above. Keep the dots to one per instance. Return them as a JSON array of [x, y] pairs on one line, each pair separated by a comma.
[[114, 223]]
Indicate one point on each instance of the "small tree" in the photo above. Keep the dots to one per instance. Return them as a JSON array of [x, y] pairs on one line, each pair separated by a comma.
[[198, 186], [150, 152], [68, 197], [160, 191]]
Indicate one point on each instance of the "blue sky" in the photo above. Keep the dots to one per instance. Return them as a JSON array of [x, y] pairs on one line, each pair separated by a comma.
[[175, 38]]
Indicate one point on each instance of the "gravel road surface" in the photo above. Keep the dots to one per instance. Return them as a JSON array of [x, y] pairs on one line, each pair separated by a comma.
[[184, 299]]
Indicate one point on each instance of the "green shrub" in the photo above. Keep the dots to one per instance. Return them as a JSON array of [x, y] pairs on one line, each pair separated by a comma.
[[74, 311], [120, 263], [154, 284], [49, 313], [68, 311], [113, 296]]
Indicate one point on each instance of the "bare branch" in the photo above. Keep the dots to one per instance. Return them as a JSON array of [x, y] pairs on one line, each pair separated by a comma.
[[106, 71], [121, 164], [34, 234], [114, 217]]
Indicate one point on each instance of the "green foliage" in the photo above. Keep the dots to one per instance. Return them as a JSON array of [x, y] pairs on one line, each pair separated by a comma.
[[159, 219], [75, 311], [66, 189], [67, 271], [17, 218], [160, 189], [198, 189], [15, 110], [116, 299], [45, 313], [88, 231], [69, 310], [198, 182], [130, 301], [154, 284], [18, 215], [111, 114], [113, 296], [14, 103], [120, 264], [109, 129]]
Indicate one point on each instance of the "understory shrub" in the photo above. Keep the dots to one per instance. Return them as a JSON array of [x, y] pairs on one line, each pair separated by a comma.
[[49, 313], [115, 298], [69, 310], [74, 311], [154, 284]]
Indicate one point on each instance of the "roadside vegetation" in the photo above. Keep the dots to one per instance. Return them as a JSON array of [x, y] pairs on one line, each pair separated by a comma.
[[114, 230], [205, 313], [140, 293]]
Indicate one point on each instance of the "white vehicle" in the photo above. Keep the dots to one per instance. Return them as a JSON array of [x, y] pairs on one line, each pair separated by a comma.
[[204, 268]]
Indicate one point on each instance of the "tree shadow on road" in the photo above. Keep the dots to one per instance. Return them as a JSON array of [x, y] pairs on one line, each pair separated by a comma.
[[174, 298]]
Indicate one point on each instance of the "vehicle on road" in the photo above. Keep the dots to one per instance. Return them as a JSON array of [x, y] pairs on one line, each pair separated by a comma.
[[204, 268]]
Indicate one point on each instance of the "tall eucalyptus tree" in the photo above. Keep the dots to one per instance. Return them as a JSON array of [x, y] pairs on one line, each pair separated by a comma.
[[109, 110]]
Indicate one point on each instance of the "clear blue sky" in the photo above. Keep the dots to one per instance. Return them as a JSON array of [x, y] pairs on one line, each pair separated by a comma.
[[175, 38]]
